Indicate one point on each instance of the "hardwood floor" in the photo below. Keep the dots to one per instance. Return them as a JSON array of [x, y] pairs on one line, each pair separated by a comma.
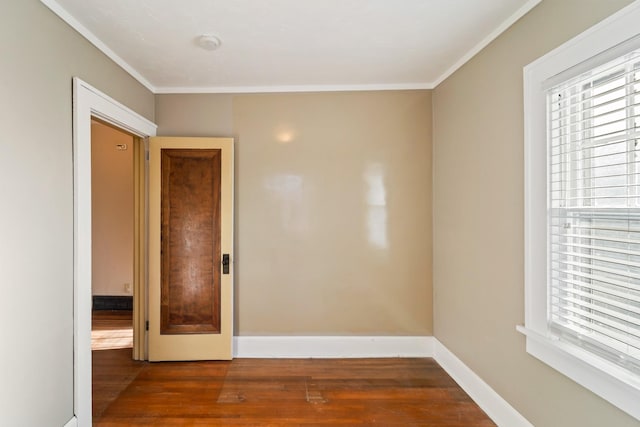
[[278, 392], [112, 347], [111, 329]]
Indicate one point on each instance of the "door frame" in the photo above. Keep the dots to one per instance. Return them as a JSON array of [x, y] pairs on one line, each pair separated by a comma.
[[89, 102]]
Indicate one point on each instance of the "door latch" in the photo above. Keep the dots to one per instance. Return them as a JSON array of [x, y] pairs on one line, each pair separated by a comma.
[[225, 264]]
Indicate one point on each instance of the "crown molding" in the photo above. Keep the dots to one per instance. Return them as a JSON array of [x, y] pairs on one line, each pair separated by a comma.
[[293, 88], [94, 40], [488, 39]]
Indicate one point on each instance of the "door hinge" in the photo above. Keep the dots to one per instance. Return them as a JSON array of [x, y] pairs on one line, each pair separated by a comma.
[[146, 325]]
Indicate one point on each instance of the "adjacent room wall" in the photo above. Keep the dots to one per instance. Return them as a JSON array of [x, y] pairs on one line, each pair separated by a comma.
[[333, 207], [112, 211], [478, 219], [40, 55]]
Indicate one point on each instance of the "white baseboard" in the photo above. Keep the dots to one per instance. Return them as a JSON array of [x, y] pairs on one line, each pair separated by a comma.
[[491, 402], [73, 422], [326, 347]]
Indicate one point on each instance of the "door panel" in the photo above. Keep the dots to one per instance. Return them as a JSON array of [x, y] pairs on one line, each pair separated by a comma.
[[190, 218], [190, 228]]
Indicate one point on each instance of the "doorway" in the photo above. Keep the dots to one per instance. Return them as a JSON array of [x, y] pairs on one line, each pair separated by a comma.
[[112, 266], [91, 104], [118, 228], [112, 225]]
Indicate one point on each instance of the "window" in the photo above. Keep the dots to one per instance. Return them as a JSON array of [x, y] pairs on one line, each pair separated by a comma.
[[593, 224], [582, 209]]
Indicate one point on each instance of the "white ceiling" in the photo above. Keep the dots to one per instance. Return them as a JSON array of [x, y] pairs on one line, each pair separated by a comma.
[[290, 45]]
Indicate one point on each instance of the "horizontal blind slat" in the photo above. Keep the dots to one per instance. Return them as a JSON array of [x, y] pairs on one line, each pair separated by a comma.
[[603, 325], [586, 111], [599, 258], [584, 126], [603, 269], [603, 238], [634, 175], [602, 329], [631, 322], [601, 228], [604, 332], [598, 248], [591, 288], [609, 280]]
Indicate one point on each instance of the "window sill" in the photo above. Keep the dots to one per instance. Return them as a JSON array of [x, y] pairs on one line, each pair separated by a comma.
[[608, 381]]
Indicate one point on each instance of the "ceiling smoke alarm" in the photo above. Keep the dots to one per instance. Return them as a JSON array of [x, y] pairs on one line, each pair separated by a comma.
[[209, 42]]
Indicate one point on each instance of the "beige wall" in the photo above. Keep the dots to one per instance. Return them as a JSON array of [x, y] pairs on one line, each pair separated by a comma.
[[333, 212], [478, 219], [112, 211], [40, 54]]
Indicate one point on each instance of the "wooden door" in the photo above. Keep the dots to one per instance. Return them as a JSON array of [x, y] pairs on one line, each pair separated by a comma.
[[190, 248]]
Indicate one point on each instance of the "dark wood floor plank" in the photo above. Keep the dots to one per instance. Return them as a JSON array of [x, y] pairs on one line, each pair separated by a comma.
[[278, 392]]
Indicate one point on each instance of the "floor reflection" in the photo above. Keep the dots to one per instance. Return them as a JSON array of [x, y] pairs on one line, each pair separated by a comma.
[[111, 330]]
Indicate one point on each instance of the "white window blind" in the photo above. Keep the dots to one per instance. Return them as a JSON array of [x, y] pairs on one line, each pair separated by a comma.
[[593, 124]]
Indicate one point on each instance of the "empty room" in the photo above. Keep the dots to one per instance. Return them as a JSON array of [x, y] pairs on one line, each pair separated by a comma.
[[354, 212]]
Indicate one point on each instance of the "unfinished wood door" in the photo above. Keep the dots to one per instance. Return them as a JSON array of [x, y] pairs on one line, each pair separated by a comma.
[[190, 248]]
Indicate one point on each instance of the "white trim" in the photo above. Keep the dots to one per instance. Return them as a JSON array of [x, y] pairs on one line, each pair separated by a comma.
[[94, 40], [88, 102], [488, 39], [295, 88], [491, 402], [332, 346], [73, 422], [606, 380], [587, 370]]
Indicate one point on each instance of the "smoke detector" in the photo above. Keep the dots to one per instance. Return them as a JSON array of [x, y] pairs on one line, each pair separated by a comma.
[[209, 42]]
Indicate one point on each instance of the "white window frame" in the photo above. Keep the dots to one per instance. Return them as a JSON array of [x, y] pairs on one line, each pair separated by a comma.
[[595, 46]]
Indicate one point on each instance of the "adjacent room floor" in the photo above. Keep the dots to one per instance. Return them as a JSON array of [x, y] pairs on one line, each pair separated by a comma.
[[272, 392]]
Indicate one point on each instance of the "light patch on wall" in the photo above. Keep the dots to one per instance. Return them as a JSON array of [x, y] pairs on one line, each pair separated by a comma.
[[285, 134], [287, 193], [376, 206]]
